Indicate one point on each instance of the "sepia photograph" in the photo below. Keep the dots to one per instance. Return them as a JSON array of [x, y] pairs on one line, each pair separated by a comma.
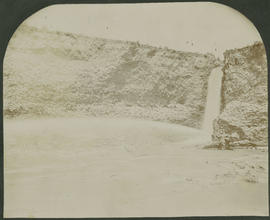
[[135, 110]]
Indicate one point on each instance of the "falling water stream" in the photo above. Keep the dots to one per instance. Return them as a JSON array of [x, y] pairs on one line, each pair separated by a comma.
[[212, 108]]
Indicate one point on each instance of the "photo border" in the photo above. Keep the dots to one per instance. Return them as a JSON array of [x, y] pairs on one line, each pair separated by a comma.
[[14, 12]]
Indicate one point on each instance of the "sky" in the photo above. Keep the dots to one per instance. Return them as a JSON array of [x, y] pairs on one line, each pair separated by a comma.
[[195, 27]]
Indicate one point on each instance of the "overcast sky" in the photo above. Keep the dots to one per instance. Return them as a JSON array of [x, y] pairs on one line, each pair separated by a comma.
[[197, 27]]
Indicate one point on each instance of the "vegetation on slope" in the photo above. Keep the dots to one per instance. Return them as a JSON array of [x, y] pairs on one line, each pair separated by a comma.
[[55, 73]]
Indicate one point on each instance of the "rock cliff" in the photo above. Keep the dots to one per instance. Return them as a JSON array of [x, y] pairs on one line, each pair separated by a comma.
[[50, 73], [244, 116]]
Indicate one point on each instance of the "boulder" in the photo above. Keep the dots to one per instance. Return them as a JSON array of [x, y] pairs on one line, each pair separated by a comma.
[[241, 124]]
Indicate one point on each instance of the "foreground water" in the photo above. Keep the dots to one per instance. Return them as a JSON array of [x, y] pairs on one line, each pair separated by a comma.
[[78, 167]]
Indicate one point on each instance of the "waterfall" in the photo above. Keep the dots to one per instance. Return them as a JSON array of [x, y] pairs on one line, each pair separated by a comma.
[[212, 107]]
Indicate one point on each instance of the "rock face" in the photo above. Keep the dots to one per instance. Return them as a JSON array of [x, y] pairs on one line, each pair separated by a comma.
[[244, 118], [55, 73]]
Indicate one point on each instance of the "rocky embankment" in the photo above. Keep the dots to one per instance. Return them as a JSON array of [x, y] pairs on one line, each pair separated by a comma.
[[50, 73], [244, 116]]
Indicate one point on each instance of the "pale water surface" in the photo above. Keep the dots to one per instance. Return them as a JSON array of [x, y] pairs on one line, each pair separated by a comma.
[[95, 167]]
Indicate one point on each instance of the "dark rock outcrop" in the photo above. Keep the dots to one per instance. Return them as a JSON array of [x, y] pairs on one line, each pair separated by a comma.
[[244, 118]]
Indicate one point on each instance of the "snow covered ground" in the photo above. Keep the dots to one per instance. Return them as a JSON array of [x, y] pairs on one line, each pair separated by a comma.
[[96, 167]]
